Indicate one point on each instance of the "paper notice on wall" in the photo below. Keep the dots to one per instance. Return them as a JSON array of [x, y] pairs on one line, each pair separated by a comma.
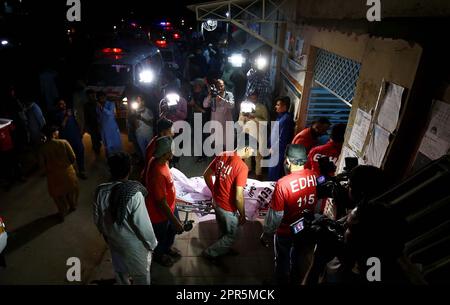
[[436, 141], [360, 130], [377, 146], [345, 153], [389, 107]]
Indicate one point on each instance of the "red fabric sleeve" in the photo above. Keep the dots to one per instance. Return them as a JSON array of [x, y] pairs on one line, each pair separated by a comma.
[[241, 178], [160, 182], [213, 164], [277, 202]]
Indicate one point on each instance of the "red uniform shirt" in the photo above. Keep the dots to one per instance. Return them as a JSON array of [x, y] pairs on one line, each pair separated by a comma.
[[160, 185], [331, 150], [149, 150], [305, 138], [6, 142], [293, 194], [230, 172]]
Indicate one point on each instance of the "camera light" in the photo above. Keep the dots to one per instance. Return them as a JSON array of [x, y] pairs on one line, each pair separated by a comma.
[[261, 63], [248, 107], [236, 60], [172, 99], [125, 99], [5, 42], [134, 105], [146, 76]]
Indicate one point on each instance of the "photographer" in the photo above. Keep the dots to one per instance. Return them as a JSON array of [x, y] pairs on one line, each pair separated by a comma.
[[195, 103], [140, 124], [251, 115], [369, 230], [221, 103], [174, 109], [293, 194], [372, 230]]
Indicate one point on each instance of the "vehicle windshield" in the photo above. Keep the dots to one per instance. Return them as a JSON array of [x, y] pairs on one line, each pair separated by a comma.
[[110, 75], [167, 55]]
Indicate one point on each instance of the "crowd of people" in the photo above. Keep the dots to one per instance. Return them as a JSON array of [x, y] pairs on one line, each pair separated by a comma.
[[139, 219]]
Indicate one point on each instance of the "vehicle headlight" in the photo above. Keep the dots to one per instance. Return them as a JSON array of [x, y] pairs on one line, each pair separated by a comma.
[[146, 76]]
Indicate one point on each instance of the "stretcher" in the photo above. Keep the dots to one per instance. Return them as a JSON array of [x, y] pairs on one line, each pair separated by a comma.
[[193, 196]]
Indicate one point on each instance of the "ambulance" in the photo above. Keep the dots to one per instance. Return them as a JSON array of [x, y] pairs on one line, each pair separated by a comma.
[[123, 70]]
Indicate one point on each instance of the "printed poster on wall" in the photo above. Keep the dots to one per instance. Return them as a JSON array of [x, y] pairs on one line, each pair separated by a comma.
[[360, 130], [389, 106], [436, 141], [377, 146], [345, 153]]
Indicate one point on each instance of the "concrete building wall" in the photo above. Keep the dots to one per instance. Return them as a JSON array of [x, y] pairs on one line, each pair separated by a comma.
[[391, 60]]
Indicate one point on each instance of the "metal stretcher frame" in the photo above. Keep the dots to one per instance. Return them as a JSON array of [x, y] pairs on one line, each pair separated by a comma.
[[202, 209]]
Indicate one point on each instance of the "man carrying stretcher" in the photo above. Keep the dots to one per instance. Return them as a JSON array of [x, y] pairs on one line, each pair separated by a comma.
[[227, 190]]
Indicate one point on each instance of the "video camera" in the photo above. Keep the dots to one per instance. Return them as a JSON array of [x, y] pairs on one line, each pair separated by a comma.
[[214, 91], [333, 186], [319, 228]]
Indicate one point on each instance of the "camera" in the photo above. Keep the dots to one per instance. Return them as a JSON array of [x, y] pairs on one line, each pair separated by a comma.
[[334, 186], [214, 91], [319, 228]]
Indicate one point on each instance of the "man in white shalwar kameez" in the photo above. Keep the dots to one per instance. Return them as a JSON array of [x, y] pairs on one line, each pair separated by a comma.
[[122, 218]]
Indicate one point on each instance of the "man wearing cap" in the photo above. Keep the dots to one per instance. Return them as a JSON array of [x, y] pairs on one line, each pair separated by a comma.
[[161, 202], [230, 173], [292, 195], [308, 137], [164, 129]]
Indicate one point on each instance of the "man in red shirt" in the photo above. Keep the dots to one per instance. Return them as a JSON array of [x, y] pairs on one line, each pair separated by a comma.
[[308, 137], [230, 172], [331, 150], [293, 194], [160, 203], [164, 129]]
